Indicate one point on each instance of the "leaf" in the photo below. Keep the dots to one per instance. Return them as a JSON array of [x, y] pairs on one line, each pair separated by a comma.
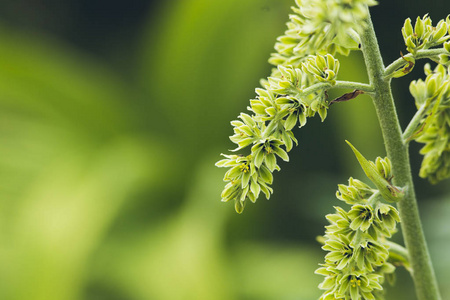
[[388, 191]]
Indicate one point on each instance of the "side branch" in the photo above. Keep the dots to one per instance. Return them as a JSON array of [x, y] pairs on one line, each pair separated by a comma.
[[400, 62], [364, 87], [411, 129]]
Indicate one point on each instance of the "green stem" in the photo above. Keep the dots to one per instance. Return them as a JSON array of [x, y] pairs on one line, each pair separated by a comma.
[[423, 274], [400, 62], [314, 88], [273, 124], [413, 124], [366, 88], [399, 254]]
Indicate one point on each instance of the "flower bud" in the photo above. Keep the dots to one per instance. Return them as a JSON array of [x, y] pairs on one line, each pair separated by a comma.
[[431, 86], [407, 29]]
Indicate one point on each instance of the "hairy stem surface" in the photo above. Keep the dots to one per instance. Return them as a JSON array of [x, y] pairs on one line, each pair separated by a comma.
[[397, 151]]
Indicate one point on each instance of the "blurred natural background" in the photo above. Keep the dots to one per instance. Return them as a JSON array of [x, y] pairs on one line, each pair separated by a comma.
[[112, 115]]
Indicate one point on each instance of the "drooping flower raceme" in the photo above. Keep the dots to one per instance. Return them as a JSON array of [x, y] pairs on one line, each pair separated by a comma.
[[295, 91], [286, 100]]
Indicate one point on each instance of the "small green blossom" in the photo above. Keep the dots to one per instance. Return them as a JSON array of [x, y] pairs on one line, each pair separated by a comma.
[[355, 192], [323, 68], [424, 35], [265, 151], [244, 180], [359, 286], [371, 254], [340, 251], [386, 219], [362, 217], [340, 224], [246, 132]]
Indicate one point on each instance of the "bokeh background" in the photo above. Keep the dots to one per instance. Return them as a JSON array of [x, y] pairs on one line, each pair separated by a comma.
[[112, 115]]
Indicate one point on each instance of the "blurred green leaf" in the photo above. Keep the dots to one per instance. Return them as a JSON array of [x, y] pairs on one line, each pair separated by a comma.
[[182, 257], [276, 271], [68, 164]]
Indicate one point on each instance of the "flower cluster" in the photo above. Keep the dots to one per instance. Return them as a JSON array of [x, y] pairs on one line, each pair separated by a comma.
[[287, 99], [432, 96], [357, 260], [424, 35], [321, 27], [245, 180], [296, 90]]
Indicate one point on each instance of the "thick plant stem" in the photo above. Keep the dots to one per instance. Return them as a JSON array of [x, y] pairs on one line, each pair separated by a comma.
[[397, 151]]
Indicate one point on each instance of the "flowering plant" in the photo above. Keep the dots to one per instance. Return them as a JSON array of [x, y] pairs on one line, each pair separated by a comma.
[[360, 256]]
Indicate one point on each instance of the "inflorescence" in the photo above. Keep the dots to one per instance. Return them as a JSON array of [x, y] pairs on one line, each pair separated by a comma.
[[432, 96], [295, 91], [357, 260]]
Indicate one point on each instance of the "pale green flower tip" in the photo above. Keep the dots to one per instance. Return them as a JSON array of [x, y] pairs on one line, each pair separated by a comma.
[[447, 46], [431, 86], [239, 206], [419, 27], [444, 59], [407, 29]]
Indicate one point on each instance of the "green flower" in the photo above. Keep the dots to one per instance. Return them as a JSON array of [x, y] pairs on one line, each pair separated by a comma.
[[323, 68], [264, 152], [362, 217], [264, 106], [423, 35], [387, 218], [296, 112], [246, 132], [356, 192], [370, 254], [340, 224], [340, 251], [357, 286], [331, 281], [244, 180]]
